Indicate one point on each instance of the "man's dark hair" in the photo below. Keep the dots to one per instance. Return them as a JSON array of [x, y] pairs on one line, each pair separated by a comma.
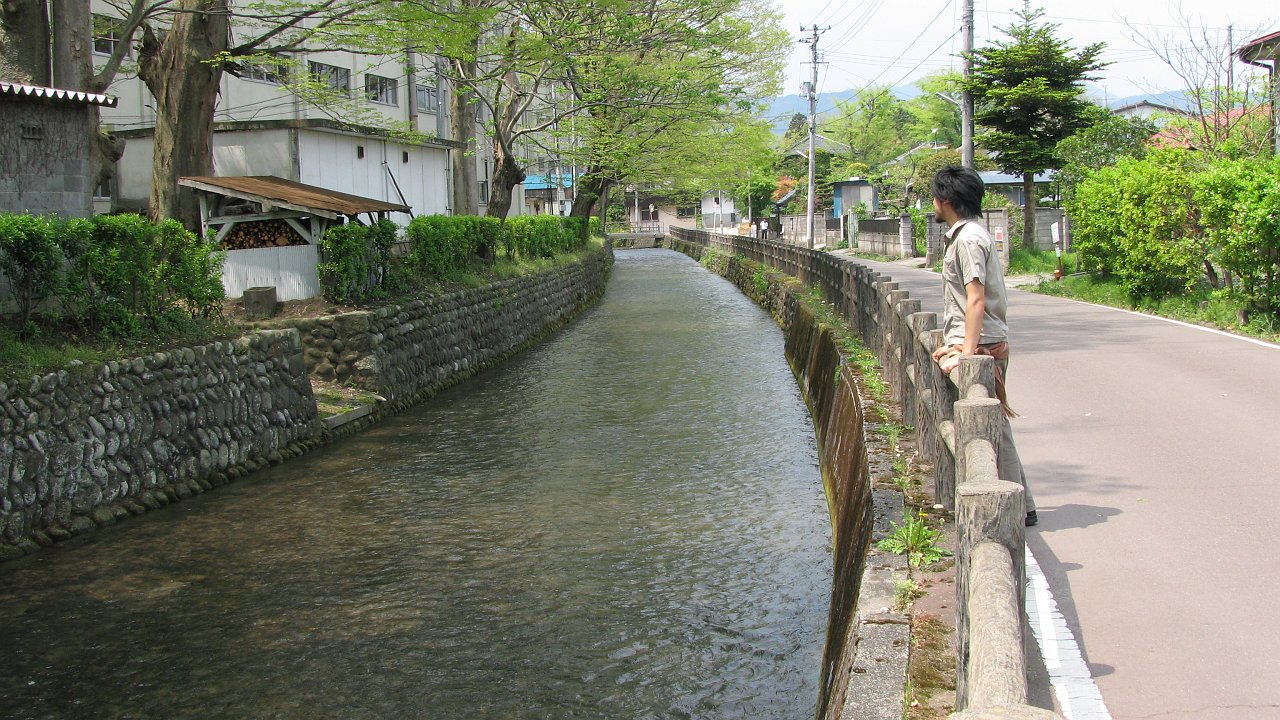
[[962, 187]]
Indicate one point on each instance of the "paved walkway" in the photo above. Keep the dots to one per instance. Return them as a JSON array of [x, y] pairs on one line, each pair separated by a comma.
[[1152, 449]]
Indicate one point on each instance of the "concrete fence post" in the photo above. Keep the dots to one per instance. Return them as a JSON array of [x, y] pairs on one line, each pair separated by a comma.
[[977, 419], [997, 668], [906, 375], [894, 343], [942, 398], [906, 236], [987, 510], [924, 420], [1006, 712], [976, 376]]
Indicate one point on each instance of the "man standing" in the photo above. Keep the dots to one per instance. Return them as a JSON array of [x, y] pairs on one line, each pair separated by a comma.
[[974, 301]]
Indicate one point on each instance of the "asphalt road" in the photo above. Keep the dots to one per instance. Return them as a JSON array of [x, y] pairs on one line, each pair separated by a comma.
[[1153, 450]]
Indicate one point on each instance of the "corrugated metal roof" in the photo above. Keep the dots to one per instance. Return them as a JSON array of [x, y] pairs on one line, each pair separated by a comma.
[[48, 93], [283, 193]]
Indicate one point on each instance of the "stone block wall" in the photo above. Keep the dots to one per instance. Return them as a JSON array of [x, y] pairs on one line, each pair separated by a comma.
[[410, 350], [44, 157], [86, 446]]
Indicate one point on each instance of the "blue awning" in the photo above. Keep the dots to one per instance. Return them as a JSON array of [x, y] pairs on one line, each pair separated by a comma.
[[546, 182]]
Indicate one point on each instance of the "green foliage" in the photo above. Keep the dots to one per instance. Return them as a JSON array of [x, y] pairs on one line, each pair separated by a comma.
[[1107, 139], [120, 275], [1027, 93], [916, 539], [761, 281], [542, 236], [1136, 220], [1030, 262], [31, 258], [1239, 203]]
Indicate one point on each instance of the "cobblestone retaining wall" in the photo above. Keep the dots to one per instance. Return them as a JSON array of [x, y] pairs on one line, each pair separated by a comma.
[[408, 351], [87, 446]]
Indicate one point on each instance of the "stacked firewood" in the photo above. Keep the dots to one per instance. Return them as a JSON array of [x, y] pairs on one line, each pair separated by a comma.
[[261, 234]]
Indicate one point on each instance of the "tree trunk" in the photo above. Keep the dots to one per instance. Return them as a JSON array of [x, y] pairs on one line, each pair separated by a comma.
[[72, 44], [462, 128], [24, 46], [185, 85], [1029, 211], [507, 174], [73, 70], [590, 189]]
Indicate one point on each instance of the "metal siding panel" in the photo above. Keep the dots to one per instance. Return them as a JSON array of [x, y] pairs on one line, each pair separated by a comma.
[[292, 270]]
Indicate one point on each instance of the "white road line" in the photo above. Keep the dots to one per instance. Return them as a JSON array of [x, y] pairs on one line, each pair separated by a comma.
[[1215, 331], [1072, 682]]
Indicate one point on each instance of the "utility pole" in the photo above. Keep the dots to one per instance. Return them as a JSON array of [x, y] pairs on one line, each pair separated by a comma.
[[811, 88], [966, 98]]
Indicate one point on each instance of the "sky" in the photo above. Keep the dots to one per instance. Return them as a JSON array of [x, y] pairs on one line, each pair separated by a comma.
[[892, 42]]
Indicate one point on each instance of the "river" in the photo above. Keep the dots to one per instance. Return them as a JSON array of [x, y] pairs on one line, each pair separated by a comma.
[[626, 521]]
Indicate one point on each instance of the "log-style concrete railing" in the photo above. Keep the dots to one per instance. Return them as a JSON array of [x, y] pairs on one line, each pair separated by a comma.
[[958, 423]]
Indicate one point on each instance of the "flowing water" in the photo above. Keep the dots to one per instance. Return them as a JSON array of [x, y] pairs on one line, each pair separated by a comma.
[[625, 522]]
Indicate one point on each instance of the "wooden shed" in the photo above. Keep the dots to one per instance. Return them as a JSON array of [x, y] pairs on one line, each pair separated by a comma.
[[270, 228]]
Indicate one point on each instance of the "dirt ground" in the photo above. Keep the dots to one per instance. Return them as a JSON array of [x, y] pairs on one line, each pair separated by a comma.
[[233, 309]]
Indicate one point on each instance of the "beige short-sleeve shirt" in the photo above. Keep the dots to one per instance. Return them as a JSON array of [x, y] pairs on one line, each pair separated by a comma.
[[971, 254]]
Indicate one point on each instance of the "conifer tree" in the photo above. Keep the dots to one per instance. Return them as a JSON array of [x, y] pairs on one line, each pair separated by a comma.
[[1027, 96]]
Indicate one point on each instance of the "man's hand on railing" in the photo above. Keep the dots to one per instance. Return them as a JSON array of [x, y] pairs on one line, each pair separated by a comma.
[[948, 358]]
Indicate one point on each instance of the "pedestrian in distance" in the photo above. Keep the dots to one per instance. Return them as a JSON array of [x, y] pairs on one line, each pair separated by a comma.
[[974, 301]]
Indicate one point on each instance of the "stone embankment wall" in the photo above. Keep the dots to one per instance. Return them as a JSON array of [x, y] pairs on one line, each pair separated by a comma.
[[412, 350], [958, 430], [86, 446]]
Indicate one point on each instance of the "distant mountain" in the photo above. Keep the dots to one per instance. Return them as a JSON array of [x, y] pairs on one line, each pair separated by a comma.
[[1176, 99], [784, 107]]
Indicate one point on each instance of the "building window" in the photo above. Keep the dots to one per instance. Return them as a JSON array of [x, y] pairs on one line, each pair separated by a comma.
[[333, 77], [268, 70], [687, 211], [484, 192], [108, 33], [428, 98], [381, 90]]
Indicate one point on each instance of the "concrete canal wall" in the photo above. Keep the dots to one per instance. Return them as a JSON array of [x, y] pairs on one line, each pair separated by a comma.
[[88, 446], [830, 389]]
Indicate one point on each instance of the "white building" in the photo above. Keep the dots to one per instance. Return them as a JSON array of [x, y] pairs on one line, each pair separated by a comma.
[[262, 128]]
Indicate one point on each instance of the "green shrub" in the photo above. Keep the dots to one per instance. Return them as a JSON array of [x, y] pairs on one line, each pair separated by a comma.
[[120, 275], [32, 260], [1136, 220], [1239, 203], [594, 228], [441, 245]]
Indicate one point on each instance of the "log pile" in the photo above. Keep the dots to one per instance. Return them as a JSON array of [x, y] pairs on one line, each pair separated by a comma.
[[261, 234]]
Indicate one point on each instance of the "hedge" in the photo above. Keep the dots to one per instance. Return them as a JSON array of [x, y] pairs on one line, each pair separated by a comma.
[[120, 274]]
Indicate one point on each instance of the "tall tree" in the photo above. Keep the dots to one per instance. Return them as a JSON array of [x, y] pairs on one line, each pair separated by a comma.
[[683, 76], [1027, 96]]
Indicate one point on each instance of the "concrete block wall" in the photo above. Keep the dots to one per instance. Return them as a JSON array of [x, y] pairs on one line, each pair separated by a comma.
[[86, 446], [44, 157]]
